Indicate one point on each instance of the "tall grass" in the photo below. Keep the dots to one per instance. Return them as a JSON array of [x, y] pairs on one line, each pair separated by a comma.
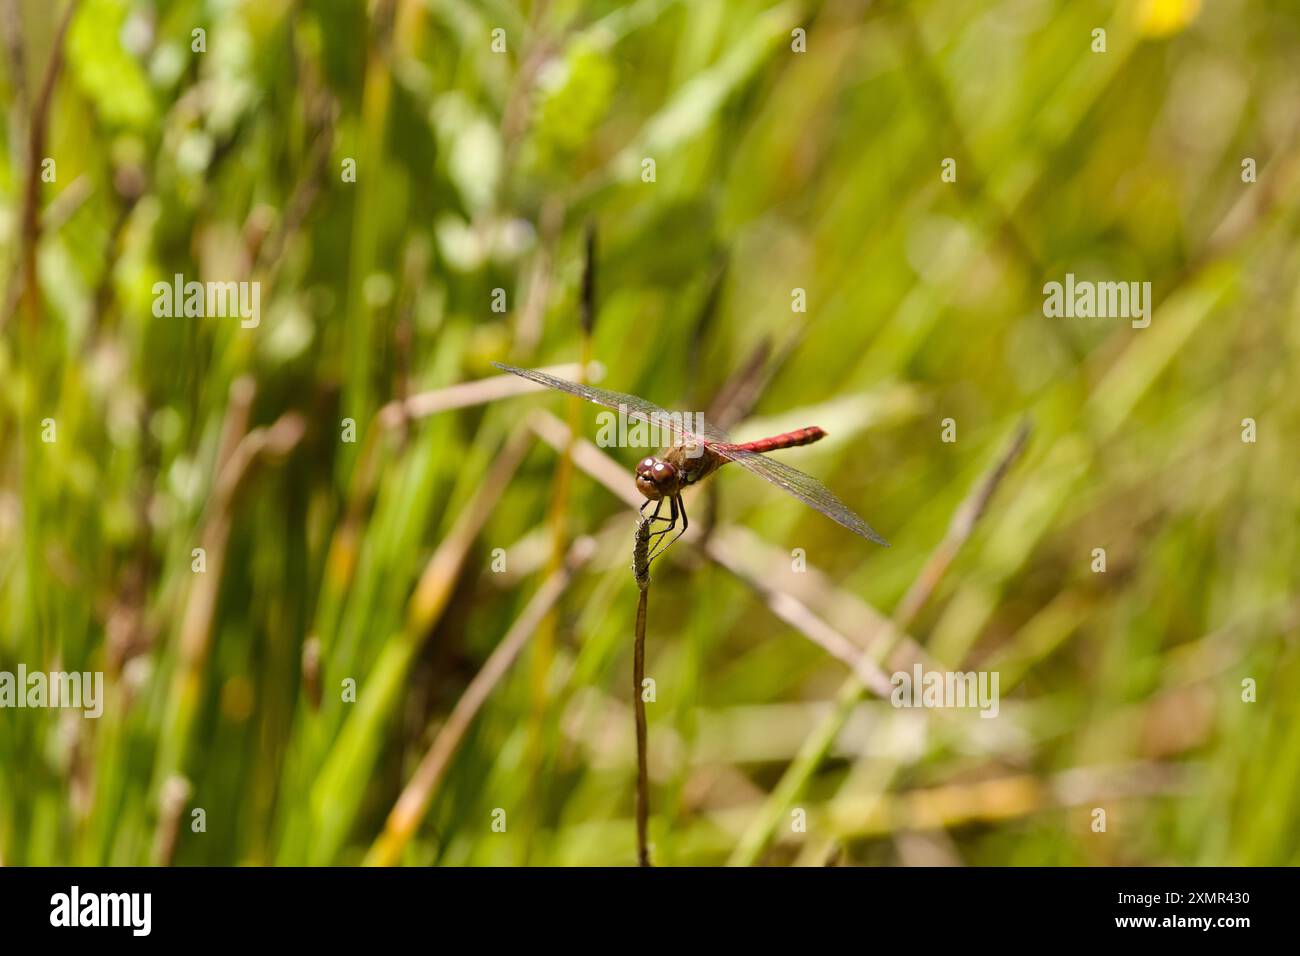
[[412, 562]]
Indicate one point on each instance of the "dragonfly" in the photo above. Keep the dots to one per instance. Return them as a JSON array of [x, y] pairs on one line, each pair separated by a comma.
[[700, 451]]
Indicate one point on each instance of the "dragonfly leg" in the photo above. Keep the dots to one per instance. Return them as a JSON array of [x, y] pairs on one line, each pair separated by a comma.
[[672, 523], [654, 516], [675, 505], [671, 520]]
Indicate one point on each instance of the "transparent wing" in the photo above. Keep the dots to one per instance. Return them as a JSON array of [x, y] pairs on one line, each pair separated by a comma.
[[630, 405], [804, 487]]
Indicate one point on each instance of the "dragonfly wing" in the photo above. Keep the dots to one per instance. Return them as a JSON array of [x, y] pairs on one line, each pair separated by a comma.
[[686, 425], [804, 487]]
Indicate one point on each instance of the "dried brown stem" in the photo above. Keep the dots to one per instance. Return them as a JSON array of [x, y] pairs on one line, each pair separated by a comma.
[[418, 794], [31, 218], [641, 568], [175, 794], [13, 30], [642, 767], [480, 392], [960, 527]]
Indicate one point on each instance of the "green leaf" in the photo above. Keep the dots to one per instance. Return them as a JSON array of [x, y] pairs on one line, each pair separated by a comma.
[[105, 73]]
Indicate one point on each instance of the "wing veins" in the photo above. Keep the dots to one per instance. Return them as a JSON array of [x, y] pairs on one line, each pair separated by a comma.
[[631, 405], [804, 487]]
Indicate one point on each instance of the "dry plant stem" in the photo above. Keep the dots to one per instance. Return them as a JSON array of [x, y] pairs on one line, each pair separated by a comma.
[[478, 392], [642, 768], [66, 204], [641, 568], [438, 579], [417, 796], [175, 793], [239, 451], [597, 464], [815, 589], [541, 275], [1008, 797], [758, 835], [1004, 797], [31, 217], [799, 616], [12, 19], [959, 529]]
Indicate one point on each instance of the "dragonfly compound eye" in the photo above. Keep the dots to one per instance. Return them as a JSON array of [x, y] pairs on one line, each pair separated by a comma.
[[653, 474], [656, 469]]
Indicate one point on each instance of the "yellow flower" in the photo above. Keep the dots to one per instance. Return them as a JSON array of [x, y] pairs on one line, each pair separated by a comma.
[[1162, 18]]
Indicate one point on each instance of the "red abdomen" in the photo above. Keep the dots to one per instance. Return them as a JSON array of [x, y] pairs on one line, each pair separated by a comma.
[[800, 436]]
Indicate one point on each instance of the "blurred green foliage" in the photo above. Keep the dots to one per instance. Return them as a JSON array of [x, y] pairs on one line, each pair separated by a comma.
[[327, 561]]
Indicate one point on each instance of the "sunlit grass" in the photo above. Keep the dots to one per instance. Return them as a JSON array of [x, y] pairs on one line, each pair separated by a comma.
[[402, 561]]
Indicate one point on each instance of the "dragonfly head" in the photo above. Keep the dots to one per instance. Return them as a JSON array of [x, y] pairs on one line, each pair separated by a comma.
[[656, 478]]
